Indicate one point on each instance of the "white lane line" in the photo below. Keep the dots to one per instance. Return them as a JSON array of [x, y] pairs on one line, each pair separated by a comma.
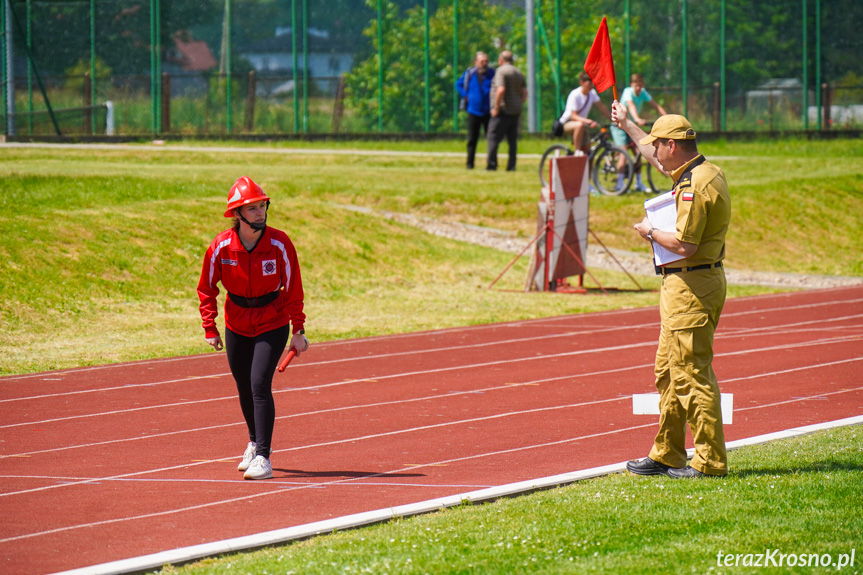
[[340, 360], [319, 484], [793, 307], [339, 409], [826, 341], [431, 398], [341, 383], [347, 342], [792, 370], [628, 328], [423, 428], [241, 481], [799, 399], [116, 388], [470, 497], [426, 334], [281, 536], [337, 442]]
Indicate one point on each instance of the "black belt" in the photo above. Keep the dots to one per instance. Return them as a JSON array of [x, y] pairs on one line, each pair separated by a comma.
[[254, 301], [661, 271]]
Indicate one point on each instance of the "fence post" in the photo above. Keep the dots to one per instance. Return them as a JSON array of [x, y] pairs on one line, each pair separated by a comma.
[[716, 103], [828, 101], [88, 103], [339, 109], [722, 47], [228, 67], [305, 66], [426, 57], [805, 72], [153, 113], [294, 64], [92, 128], [685, 49], [530, 48], [166, 103], [454, 65], [250, 102], [8, 69], [770, 107]]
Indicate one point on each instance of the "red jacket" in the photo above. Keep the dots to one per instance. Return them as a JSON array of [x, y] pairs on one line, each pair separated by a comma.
[[271, 266]]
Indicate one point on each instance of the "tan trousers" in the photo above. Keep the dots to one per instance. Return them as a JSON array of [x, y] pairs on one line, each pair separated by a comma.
[[690, 304]]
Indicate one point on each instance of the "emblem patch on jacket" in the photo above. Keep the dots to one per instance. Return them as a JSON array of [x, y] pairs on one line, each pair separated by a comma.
[[687, 196], [228, 262], [269, 267]]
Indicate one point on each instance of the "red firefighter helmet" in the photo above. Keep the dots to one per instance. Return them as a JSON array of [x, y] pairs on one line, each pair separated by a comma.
[[244, 191]]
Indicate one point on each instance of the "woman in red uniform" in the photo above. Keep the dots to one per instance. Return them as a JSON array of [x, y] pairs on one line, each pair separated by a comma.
[[258, 267]]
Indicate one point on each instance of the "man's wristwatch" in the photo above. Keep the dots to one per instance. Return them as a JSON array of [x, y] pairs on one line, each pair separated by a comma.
[[302, 331], [650, 234]]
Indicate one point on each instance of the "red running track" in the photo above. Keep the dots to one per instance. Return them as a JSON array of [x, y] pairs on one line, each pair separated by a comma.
[[111, 462]]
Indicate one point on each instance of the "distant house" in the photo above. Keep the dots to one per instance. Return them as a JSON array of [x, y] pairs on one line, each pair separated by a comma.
[[187, 62], [328, 59], [190, 54], [776, 93]]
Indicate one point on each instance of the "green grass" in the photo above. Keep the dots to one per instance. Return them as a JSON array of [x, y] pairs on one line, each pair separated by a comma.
[[800, 496], [100, 250]]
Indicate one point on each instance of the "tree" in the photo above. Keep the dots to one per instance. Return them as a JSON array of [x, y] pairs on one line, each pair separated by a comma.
[[484, 28]]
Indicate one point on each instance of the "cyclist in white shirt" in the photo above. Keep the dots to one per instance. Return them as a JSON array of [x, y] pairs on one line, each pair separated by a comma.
[[575, 118]]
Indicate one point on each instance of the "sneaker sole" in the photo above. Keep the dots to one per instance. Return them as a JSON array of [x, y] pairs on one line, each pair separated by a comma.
[[267, 476]]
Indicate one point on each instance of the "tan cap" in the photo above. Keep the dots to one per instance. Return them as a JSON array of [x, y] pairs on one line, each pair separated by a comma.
[[670, 127]]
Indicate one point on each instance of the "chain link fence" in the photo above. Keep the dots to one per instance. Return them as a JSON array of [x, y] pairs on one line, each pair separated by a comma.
[[270, 67]]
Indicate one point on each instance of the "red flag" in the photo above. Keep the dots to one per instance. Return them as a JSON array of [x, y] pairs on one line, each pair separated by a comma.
[[599, 64]]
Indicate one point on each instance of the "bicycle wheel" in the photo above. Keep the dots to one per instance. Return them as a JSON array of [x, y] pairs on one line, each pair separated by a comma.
[[604, 171], [554, 151], [659, 182]]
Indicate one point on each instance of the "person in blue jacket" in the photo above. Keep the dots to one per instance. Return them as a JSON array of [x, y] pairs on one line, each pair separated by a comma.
[[474, 86]]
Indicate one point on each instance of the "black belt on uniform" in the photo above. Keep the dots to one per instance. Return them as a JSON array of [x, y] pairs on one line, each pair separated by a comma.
[[661, 271], [254, 301]]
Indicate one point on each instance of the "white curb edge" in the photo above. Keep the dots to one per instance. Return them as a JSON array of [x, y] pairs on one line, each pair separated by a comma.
[[196, 552]]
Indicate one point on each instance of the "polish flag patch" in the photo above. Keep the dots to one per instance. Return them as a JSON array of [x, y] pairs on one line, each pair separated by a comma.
[[687, 196]]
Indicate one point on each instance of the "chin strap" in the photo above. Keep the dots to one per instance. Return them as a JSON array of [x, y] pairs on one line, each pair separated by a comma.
[[256, 227]]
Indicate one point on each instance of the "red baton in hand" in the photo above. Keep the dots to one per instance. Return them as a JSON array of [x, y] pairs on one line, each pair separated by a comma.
[[287, 360]]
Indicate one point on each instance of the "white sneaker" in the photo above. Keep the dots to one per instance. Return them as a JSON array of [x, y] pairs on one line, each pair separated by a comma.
[[260, 468], [248, 456]]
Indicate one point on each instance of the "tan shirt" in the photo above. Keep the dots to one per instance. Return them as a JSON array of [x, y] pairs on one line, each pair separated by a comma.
[[703, 212], [513, 83]]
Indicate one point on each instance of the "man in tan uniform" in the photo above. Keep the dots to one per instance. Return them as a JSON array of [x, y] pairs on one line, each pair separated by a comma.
[[691, 300]]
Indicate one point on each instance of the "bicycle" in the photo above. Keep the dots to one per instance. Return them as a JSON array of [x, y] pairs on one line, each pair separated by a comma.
[[603, 159]]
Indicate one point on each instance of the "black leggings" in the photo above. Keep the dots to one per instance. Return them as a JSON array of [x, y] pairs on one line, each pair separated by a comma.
[[253, 362]]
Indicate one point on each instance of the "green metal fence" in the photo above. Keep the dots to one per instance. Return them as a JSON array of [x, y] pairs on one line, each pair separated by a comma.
[[220, 67]]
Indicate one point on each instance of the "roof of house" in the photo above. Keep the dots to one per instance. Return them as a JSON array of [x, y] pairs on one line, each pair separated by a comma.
[[194, 55]]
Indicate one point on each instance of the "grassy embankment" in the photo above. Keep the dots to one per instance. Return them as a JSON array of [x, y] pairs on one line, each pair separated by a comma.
[[101, 250]]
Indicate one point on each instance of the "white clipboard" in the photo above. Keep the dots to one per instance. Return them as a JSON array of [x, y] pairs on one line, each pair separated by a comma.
[[662, 214]]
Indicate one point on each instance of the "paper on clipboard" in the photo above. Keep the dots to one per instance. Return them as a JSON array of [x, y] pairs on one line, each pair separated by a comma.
[[662, 214]]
